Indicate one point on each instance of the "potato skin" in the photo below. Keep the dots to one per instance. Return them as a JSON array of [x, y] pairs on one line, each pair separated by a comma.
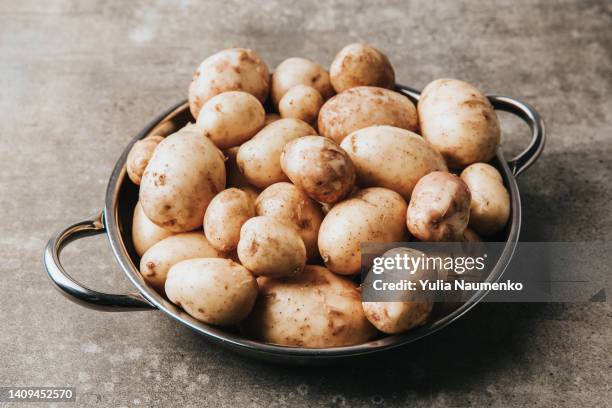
[[397, 317], [231, 118], [371, 215], [361, 65], [259, 158], [139, 157], [288, 203], [364, 106], [271, 247], [459, 121], [157, 261], [301, 102], [186, 171], [490, 205], [439, 208], [145, 233], [390, 157], [483, 170], [299, 71], [315, 309], [319, 167], [214, 291], [224, 217], [234, 69]]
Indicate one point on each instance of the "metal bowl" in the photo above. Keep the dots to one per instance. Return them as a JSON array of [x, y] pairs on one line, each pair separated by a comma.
[[115, 222]]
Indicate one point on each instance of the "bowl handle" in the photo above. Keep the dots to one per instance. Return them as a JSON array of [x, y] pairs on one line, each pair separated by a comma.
[[526, 112], [74, 290], [527, 157]]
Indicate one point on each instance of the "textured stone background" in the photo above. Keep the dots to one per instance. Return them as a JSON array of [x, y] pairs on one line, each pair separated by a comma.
[[79, 78]]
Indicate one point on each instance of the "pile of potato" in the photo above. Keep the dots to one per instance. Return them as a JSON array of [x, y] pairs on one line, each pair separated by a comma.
[[253, 215]]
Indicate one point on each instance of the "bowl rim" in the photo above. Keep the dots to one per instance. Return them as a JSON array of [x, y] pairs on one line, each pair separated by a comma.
[[253, 347]]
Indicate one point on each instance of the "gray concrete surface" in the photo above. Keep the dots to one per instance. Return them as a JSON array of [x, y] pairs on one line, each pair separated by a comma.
[[79, 78]]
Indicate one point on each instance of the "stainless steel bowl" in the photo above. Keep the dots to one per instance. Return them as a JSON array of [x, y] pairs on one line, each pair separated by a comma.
[[115, 222]]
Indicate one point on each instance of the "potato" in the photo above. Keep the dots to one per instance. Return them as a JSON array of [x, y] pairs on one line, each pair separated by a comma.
[[231, 118], [139, 157], [414, 307], [365, 106], [386, 156], [490, 205], [301, 102], [272, 247], [371, 215], [299, 71], [215, 291], [314, 309], [361, 65], [224, 217], [157, 261], [234, 69], [319, 167], [397, 317], [145, 233], [185, 172], [459, 121], [439, 208], [259, 158], [288, 203], [483, 169]]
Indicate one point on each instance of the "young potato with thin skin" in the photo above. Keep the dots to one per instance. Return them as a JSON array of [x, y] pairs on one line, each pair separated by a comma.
[[214, 291], [365, 106], [234, 69], [314, 309], [320, 167], [145, 233], [290, 204], [371, 215], [439, 208], [299, 71], [139, 157], [485, 170], [157, 261], [361, 65], [271, 247], [490, 205], [390, 157], [301, 102], [259, 158], [224, 217], [231, 118], [415, 306], [397, 317], [459, 121], [185, 172]]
